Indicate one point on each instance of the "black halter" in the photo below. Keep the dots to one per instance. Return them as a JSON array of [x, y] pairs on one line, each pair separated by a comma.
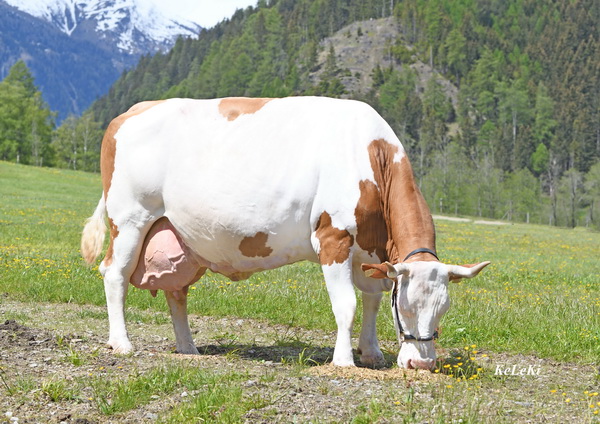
[[421, 250], [402, 335]]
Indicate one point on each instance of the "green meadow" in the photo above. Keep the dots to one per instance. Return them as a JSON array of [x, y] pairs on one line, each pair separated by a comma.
[[539, 297]]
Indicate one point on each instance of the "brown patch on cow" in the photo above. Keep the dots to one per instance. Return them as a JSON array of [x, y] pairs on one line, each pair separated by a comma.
[[371, 233], [114, 232], [335, 243], [232, 107], [109, 143], [255, 246], [407, 217]]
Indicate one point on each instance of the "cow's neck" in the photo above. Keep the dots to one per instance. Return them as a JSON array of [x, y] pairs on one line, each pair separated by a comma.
[[407, 216]]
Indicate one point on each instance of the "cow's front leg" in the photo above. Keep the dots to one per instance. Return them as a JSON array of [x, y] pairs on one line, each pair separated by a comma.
[[178, 307], [338, 278], [368, 345]]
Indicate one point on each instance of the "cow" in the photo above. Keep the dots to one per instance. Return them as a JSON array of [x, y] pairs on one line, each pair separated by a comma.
[[241, 185]]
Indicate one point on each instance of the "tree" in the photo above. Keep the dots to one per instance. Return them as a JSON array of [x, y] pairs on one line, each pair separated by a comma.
[[437, 111], [522, 195], [77, 143], [570, 192], [514, 113], [456, 53], [592, 192], [544, 122], [26, 122], [539, 159]]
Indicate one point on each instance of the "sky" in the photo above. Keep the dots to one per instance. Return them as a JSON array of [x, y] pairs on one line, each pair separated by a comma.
[[206, 13]]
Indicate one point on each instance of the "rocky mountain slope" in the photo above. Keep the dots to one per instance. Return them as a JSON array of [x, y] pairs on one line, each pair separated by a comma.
[[361, 46]]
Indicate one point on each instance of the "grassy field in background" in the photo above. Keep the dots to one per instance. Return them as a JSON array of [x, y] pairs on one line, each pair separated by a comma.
[[540, 296]]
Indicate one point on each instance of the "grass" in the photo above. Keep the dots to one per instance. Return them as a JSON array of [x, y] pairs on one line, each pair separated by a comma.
[[120, 395], [542, 284], [540, 297]]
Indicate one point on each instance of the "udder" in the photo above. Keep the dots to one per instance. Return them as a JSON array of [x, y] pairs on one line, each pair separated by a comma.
[[166, 263]]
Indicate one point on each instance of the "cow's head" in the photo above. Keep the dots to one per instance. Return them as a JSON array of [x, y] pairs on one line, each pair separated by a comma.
[[419, 299]]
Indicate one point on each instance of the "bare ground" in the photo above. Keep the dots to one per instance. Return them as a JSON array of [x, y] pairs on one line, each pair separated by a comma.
[[286, 367]]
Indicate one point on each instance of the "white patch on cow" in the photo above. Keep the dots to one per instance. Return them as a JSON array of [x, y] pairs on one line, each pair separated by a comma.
[[399, 155]]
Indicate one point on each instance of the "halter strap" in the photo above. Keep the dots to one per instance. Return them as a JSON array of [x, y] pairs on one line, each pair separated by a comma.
[[421, 250], [402, 335]]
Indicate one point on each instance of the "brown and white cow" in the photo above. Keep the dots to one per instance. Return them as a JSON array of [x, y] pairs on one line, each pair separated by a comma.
[[241, 185]]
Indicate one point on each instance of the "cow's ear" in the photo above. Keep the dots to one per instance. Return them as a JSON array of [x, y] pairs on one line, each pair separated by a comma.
[[458, 272], [374, 270], [384, 270]]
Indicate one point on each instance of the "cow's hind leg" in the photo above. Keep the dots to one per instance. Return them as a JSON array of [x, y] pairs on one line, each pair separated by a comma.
[[183, 335], [368, 345], [121, 259], [338, 278]]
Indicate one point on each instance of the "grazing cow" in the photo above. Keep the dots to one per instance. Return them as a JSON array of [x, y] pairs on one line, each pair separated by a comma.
[[241, 185]]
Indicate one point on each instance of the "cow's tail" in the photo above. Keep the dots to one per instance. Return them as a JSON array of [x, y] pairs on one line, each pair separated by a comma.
[[92, 239]]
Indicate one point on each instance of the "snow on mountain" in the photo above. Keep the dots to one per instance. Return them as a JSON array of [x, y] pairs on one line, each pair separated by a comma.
[[132, 26]]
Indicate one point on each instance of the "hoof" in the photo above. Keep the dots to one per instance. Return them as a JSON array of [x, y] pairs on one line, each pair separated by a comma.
[[343, 362], [373, 361], [121, 348], [188, 350]]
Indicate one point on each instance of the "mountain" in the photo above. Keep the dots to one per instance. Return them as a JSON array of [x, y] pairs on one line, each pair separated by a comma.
[[77, 49], [130, 26]]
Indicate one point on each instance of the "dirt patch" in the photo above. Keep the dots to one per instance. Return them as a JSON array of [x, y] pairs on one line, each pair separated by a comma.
[[484, 222], [14, 334], [360, 373], [45, 345], [450, 218]]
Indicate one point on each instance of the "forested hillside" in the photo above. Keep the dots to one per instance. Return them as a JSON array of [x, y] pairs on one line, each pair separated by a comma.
[[507, 125]]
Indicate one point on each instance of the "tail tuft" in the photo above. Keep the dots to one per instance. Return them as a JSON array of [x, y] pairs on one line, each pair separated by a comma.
[[92, 239]]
